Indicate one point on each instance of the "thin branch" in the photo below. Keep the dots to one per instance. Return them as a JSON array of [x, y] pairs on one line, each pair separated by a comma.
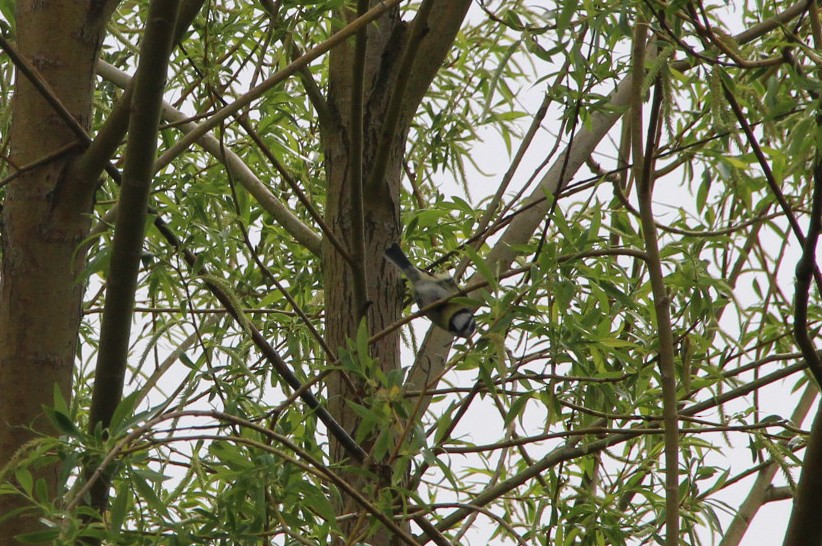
[[233, 163], [270, 276], [312, 465], [643, 169], [312, 90], [256, 92], [295, 187], [769, 177], [807, 263], [262, 344], [570, 452], [48, 158], [45, 90]]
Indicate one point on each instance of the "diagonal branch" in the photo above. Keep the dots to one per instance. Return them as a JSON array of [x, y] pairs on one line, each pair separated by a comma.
[[768, 173], [233, 163], [312, 54], [262, 344]]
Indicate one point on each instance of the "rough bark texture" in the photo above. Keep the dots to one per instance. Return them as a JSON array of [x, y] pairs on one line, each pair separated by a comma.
[[381, 211], [45, 217], [387, 41], [381, 214]]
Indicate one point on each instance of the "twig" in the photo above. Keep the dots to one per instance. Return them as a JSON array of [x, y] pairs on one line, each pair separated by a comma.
[[256, 92], [42, 161]]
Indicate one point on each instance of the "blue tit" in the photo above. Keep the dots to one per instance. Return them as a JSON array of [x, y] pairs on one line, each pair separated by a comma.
[[455, 318]]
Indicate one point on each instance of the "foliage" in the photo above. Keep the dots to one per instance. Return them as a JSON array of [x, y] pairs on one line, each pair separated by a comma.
[[546, 428]]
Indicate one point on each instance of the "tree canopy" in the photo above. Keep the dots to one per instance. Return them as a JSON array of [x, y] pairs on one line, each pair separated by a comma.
[[201, 341]]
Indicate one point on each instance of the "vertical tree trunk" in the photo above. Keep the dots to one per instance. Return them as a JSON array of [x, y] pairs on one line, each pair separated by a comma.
[[386, 58], [381, 216], [45, 218]]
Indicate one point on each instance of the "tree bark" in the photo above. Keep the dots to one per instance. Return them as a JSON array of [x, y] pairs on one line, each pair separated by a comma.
[[45, 218], [385, 57]]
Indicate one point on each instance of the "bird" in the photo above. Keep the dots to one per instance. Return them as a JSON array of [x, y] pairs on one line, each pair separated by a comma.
[[453, 317]]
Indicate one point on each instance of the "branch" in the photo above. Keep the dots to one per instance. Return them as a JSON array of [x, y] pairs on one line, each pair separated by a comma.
[[356, 245], [234, 164], [312, 54], [282, 369], [130, 229], [312, 90], [807, 263], [442, 25], [644, 175], [292, 183]]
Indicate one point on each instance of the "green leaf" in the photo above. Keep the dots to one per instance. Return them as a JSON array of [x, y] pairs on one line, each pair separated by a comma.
[[362, 340], [62, 422], [482, 268], [147, 494], [119, 507], [120, 418], [7, 11], [46, 535], [25, 479], [516, 409]]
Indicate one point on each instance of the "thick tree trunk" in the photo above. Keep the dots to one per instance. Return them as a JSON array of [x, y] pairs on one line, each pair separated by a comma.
[[386, 60], [381, 218], [45, 218], [382, 226]]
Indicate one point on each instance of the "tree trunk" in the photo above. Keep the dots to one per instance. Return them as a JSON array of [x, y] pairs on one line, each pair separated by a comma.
[[387, 46], [382, 226], [45, 218]]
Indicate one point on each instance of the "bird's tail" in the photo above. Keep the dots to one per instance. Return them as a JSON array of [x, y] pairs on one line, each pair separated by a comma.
[[396, 256]]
